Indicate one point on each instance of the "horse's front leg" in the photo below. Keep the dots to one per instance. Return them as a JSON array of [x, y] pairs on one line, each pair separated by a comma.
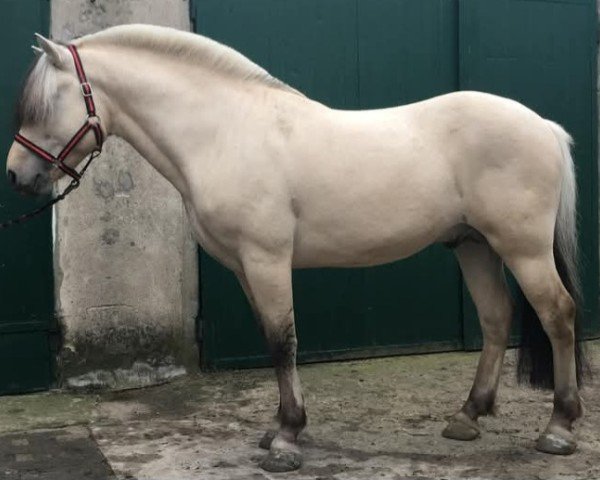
[[268, 285]]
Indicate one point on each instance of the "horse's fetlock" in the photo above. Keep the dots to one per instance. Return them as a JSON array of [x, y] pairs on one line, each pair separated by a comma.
[[568, 405], [480, 402], [293, 418]]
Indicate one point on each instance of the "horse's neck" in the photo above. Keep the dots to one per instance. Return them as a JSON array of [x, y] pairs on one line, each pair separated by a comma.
[[167, 110]]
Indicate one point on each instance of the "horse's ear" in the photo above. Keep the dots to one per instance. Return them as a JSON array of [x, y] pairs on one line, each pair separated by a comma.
[[56, 53], [37, 51]]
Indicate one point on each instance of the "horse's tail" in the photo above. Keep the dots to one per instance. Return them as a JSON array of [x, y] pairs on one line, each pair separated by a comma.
[[535, 365]]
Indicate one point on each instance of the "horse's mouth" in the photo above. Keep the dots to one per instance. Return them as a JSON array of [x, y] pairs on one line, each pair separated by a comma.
[[39, 186]]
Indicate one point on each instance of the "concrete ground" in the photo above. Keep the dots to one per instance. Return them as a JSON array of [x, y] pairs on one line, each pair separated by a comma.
[[375, 419]]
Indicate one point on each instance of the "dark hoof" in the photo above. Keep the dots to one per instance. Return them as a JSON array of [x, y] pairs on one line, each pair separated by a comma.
[[461, 427], [267, 439], [556, 444], [281, 461]]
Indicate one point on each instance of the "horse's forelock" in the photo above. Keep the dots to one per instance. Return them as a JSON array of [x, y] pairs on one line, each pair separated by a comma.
[[36, 101]]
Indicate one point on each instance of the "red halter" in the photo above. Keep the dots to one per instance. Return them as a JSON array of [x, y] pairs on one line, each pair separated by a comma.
[[92, 123]]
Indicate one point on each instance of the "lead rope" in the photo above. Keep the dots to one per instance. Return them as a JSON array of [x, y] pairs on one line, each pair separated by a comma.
[[27, 216], [34, 213]]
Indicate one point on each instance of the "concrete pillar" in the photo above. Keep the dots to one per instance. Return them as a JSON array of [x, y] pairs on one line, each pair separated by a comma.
[[125, 261]]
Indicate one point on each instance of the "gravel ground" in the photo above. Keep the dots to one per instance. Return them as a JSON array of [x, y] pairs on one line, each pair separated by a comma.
[[374, 419]]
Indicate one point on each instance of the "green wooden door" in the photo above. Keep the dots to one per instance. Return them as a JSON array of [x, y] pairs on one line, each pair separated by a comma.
[[346, 54], [26, 278], [377, 53], [543, 54]]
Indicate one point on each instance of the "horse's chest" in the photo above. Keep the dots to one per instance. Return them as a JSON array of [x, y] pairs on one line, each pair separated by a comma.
[[212, 236]]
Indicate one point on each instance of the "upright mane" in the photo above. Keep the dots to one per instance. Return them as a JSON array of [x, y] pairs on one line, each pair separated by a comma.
[[212, 54], [36, 101]]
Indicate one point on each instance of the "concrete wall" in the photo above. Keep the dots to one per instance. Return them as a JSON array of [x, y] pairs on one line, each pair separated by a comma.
[[123, 249]]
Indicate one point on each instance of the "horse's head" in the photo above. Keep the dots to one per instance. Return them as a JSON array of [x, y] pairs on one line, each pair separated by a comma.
[[58, 124]]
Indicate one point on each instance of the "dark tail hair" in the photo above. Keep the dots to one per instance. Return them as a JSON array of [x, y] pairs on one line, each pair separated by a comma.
[[536, 365]]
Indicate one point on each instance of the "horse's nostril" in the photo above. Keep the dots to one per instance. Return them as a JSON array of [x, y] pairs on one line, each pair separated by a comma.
[[12, 177]]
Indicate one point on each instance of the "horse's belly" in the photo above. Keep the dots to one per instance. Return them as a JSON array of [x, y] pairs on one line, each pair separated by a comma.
[[376, 211], [345, 242]]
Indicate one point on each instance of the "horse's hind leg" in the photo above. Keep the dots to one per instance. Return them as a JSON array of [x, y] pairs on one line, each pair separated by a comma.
[[269, 282], [543, 288], [484, 275]]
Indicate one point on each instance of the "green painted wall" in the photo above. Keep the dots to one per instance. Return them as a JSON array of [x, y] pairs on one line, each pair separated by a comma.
[[26, 278], [376, 53]]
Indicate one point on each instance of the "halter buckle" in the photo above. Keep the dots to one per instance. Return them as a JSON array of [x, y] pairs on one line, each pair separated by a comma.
[[86, 90]]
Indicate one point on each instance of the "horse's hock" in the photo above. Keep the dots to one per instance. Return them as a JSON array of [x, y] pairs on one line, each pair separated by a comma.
[[126, 274]]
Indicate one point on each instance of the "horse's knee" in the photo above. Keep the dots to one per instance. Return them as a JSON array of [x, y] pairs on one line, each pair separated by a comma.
[[495, 327], [282, 344]]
